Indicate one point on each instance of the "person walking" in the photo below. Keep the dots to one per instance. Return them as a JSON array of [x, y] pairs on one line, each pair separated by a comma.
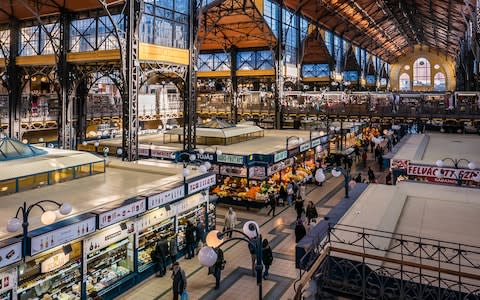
[[380, 161], [230, 221], [282, 195], [190, 240], [300, 230], [253, 255], [371, 175], [311, 212], [172, 245], [161, 253], [267, 257], [218, 267], [302, 191], [299, 206], [272, 201], [179, 281], [358, 179], [290, 193], [364, 159], [356, 149], [388, 178], [200, 235]]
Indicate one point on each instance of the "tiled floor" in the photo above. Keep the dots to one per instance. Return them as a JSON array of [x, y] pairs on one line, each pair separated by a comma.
[[237, 280]]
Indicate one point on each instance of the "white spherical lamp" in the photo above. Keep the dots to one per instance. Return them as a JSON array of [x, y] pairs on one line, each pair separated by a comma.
[[96, 144], [213, 239], [25, 141], [472, 165], [201, 151], [319, 176], [65, 209], [185, 172], [207, 165], [119, 151], [219, 152], [336, 173], [192, 157], [207, 256], [251, 229], [84, 143], [48, 217], [439, 163], [13, 225], [203, 169]]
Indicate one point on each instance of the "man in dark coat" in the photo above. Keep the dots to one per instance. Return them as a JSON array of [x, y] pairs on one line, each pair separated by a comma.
[[300, 231], [190, 240], [179, 281], [162, 253]]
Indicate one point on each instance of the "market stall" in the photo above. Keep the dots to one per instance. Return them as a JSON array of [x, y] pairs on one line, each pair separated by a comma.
[[11, 254]]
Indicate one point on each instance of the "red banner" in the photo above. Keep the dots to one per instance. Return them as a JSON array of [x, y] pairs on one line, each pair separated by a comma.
[[441, 173]]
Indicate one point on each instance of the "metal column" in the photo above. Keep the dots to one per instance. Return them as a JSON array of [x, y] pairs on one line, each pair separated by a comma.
[[278, 121], [64, 121], [234, 86], [14, 83], [81, 110]]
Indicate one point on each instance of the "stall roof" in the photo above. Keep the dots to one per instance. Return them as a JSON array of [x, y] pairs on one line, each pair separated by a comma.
[[11, 149], [120, 181], [54, 159], [428, 148], [226, 132]]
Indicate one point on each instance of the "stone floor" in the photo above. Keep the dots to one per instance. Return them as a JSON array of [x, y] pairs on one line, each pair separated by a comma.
[[237, 280]]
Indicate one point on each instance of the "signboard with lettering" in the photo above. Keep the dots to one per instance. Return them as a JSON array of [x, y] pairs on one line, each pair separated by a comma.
[[10, 252], [144, 150], [201, 184], [162, 153], [441, 173], [190, 202], [126, 211], [399, 163], [166, 197], [61, 236], [304, 147], [316, 142], [108, 236], [257, 172], [279, 166], [280, 156], [206, 156], [293, 152], [230, 159], [233, 171]]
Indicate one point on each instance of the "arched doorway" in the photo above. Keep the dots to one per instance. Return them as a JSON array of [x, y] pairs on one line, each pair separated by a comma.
[[404, 82], [439, 82]]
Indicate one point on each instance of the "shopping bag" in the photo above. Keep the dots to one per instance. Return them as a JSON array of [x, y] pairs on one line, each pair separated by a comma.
[[184, 295]]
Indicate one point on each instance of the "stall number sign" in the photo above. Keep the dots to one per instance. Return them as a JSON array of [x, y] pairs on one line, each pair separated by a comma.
[[8, 280], [163, 154], [230, 159], [108, 237], [316, 142], [448, 173], [201, 184], [61, 236], [54, 262], [10, 254], [166, 197], [304, 147], [280, 156], [121, 213]]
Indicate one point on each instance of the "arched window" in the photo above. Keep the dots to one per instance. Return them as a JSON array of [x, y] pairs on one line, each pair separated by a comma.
[[421, 72], [439, 82], [404, 82]]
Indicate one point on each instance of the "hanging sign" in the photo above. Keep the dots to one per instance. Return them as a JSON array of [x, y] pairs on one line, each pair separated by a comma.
[[230, 159], [201, 184], [10, 253], [280, 156], [166, 197], [8, 280], [108, 236], [304, 147], [256, 172], [121, 213], [316, 142], [233, 171], [61, 236], [399, 163], [159, 153]]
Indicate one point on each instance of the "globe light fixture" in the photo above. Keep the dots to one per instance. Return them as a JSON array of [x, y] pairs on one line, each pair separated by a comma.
[[13, 225], [207, 256], [213, 239], [48, 217], [336, 173], [439, 163], [472, 165], [251, 229], [65, 209]]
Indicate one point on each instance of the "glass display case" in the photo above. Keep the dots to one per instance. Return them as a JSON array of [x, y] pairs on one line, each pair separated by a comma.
[[56, 275], [193, 215], [107, 265], [148, 238], [6, 295], [212, 221]]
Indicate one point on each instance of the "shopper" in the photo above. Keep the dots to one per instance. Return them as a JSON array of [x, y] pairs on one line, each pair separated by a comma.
[[179, 281], [302, 192], [161, 254], [371, 175], [300, 230], [356, 149], [267, 257], [364, 159], [218, 267], [299, 207], [311, 212], [172, 245], [290, 193], [388, 178], [272, 202], [200, 235], [230, 221], [372, 145], [358, 179], [282, 195], [253, 254], [380, 161], [190, 240]]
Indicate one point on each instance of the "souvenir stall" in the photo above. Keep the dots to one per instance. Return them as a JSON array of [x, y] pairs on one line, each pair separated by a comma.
[[53, 268], [11, 254]]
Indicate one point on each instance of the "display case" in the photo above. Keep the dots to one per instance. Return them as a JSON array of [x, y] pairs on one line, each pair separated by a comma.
[[55, 275], [193, 215], [8, 284], [148, 238], [211, 216], [109, 257]]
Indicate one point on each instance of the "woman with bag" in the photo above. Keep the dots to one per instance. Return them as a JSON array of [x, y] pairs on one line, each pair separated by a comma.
[[218, 267], [179, 283], [267, 257]]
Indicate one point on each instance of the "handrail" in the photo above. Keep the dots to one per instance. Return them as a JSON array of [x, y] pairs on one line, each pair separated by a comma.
[[309, 274]]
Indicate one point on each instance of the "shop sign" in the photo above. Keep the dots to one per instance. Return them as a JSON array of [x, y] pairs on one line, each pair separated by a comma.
[[280, 156], [189, 203], [304, 147], [446, 173], [201, 184], [108, 236], [155, 217], [61, 236], [293, 151], [233, 171], [230, 159], [256, 172], [316, 142], [205, 156], [54, 262], [10, 254], [8, 280], [144, 150], [122, 213], [278, 167], [158, 153], [166, 197]]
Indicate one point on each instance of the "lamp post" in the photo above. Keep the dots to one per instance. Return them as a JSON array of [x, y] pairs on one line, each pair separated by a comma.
[[456, 162], [336, 172], [47, 218], [191, 159], [299, 139], [250, 234]]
